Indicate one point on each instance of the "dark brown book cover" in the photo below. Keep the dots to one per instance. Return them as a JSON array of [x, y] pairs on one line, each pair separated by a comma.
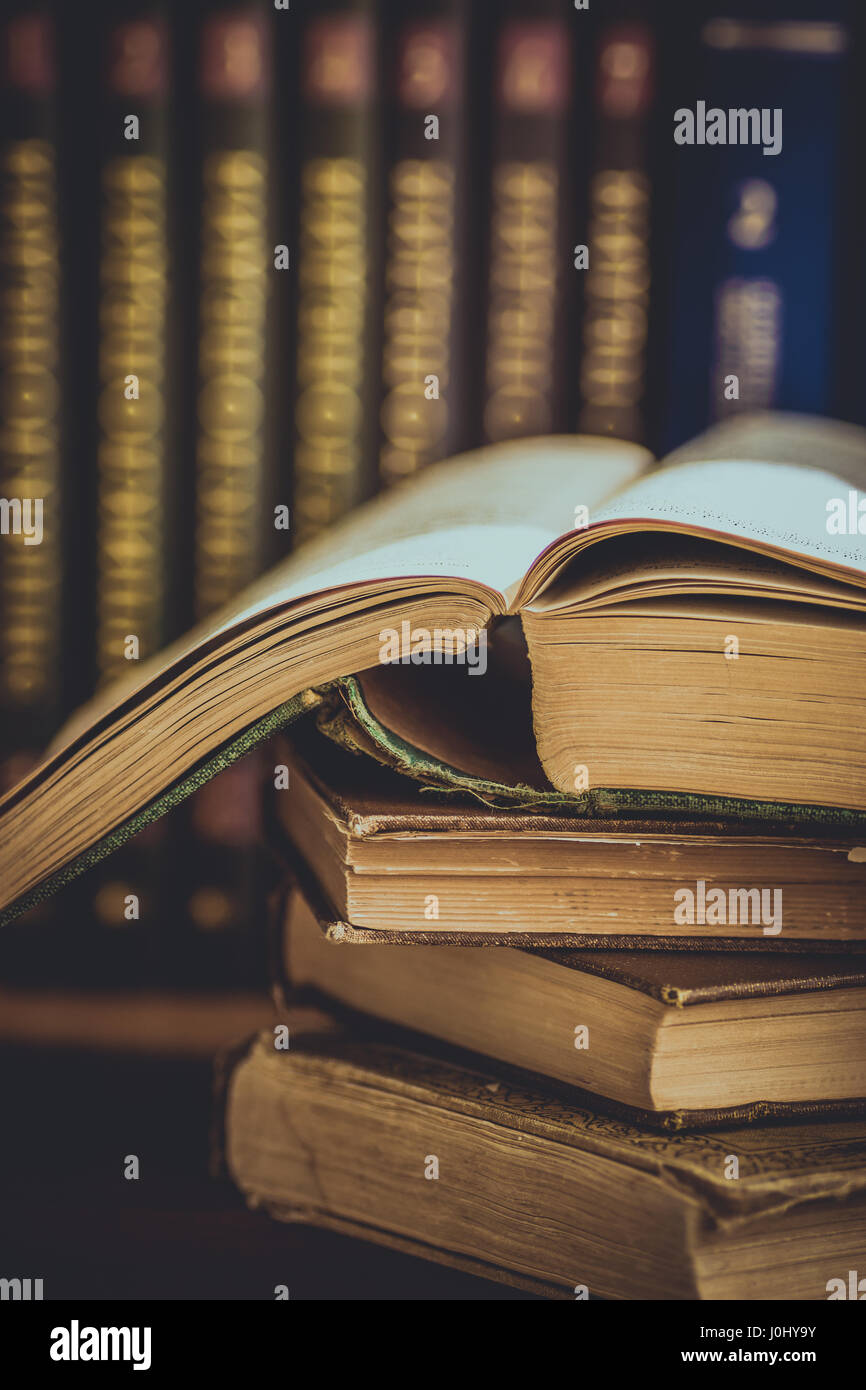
[[339, 263], [31, 482], [617, 285], [132, 521], [429, 349], [530, 275], [235, 534]]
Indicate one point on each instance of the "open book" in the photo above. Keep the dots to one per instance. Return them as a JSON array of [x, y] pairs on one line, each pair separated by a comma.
[[693, 629]]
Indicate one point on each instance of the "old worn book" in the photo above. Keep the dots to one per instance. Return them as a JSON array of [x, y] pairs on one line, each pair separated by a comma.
[[693, 631], [442, 1158], [682, 1038], [398, 865]]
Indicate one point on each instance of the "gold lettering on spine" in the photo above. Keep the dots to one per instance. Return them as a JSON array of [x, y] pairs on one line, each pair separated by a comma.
[[131, 487], [617, 301], [522, 309], [419, 289], [748, 317], [233, 313], [29, 450], [332, 280]]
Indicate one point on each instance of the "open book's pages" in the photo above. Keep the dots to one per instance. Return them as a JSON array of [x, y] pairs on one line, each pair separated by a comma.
[[722, 644], [748, 699], [394, 864], [418, 575], [440, 554], [340, 1129], [683, 1038]]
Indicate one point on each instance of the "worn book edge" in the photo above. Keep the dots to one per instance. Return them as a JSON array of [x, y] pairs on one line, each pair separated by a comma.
[[345, 717], [288, 997], [236, 748], [345, 933], [821, 1162]]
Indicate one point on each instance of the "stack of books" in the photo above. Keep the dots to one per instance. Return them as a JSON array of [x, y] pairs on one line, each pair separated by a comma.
[[568, 762]]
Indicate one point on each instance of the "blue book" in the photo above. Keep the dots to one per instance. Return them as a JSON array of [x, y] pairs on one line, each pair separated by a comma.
[[756, 130]]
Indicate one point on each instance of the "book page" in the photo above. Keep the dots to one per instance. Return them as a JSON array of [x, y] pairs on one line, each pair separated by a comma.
[[770, 504], [778, 436], [637, 565], [483, 517]]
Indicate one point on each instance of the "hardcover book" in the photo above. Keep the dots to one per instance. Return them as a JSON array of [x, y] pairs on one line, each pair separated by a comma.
[[616, 310], [429, 348], [696, 642], [136, 484], [530, 270], [397, 865], [677, 1038], [234, 530], [753, 312], [339, 272], [33, 539], [477, 1169]]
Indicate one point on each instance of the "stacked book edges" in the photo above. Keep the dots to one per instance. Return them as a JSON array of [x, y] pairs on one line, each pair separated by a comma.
[[475, 1168]]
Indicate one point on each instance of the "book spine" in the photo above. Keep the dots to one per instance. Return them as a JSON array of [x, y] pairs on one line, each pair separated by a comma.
[[234, 523], [337, 375], [754, 236], [615, 321], [526, 383], [133, 489], [33, 525], [31, 484], [427, 351]]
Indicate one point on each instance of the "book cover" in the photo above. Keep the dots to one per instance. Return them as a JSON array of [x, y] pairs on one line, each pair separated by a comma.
[[618, 288], [674, 1039], [34, 545], [430, 347], [757, 129], [530, 273], [339, 263], [135, 523]]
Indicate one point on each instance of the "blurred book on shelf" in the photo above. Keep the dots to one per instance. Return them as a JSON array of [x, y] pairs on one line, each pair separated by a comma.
[[336, 158], [432, 148], [755, 228], [530, 274]]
